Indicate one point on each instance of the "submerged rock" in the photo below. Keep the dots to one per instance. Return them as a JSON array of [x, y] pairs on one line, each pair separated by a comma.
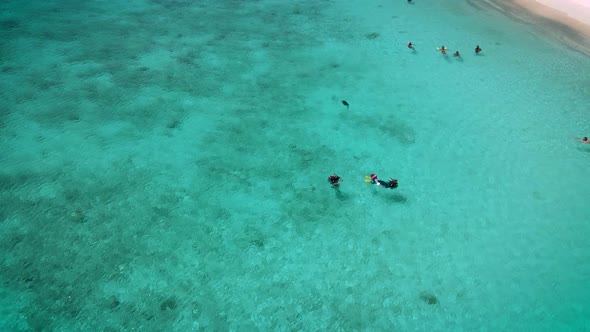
[[429, 298]]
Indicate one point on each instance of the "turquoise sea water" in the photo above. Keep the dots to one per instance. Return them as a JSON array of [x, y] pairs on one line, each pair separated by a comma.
[[163, 167]]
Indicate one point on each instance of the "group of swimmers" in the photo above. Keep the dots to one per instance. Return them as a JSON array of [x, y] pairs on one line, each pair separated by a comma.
[[373, 178], [443, 50]]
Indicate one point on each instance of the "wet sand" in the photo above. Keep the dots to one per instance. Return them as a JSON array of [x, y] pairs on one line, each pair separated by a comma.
[[566, 20]]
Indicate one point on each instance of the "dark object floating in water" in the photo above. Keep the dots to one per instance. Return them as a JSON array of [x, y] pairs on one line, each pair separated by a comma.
[[345, 103], [428, 298]]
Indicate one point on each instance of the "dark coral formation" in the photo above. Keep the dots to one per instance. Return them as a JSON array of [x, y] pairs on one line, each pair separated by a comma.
[[428, 298]]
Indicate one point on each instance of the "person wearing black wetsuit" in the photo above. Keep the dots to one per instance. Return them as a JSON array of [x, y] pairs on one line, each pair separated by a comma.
[[334, 179], [392, 183]]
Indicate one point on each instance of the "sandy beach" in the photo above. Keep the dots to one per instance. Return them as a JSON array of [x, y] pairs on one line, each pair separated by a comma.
[[576, 11], [566, 20]]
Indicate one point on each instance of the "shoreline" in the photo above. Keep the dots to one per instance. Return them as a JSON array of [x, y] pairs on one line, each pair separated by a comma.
[[567, 21]]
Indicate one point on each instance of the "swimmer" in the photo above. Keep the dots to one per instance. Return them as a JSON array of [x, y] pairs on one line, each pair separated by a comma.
[[345, 103], [477, 49], [410, 45], [392, 183], [334, 179], [443, 50], [456, 54], [375, 179], [583, 140]]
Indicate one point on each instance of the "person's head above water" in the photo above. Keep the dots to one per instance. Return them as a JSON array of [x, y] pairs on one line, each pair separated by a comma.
[[334, 179], [375, 179]]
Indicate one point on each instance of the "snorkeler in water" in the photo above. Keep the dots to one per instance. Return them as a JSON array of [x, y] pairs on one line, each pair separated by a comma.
[[334, 179]]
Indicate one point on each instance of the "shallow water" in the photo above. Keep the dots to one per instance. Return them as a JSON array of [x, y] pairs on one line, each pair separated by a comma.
[[164, 167]]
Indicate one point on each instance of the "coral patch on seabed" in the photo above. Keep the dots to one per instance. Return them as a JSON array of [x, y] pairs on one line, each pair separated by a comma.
[[428, 298]]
